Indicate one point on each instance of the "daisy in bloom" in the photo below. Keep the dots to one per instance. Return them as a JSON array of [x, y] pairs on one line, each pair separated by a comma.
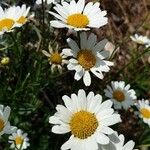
[[79, 16], [121, 95], [119, 144], [19, 140], [143, 40], [88, 57], [7, 19], [39, 2], [144, 109], [5, 127], [87, 118], [56, 59], [22, 15]]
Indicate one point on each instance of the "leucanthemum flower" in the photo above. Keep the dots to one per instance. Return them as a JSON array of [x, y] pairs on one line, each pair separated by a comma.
[[19, 140], [22, 12], [8, 18], [117, 142], [87, 118], [5, 127], [79, 16], [56, 59], [142, 40], [88, 57], [120, 94], [144, 110]]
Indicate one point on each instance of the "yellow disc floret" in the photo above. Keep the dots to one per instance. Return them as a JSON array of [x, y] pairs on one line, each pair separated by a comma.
[[2, 124], [119, 95], [56, 58], [78, 20], [22, 20], [83, 124], [86, 59], [6, 24], [145, 113], [18, 140]]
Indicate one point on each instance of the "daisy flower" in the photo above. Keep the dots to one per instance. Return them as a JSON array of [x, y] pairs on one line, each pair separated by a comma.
[[144, 109], [56, 59], [22, 15], [79, 16], [119, 144], [7, 19], [88, 57], [87, 118], [5, 127], [121, 95], [19, 140], [142, 40]]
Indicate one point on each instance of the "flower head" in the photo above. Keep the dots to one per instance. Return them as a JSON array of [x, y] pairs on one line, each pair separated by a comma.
[[23, 15], [79, 16], [5, 127], [144, 110], [88, 57], [7, 19], [142, 40], [87, 118], [56, 59], [19, 140], [120, 94], [5, 60]]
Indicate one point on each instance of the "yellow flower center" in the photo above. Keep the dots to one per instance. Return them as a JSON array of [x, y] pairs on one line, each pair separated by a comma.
[[78, 20], [19, 140], [86, 59], [22, 20], [145, 113], [56, 58], [119, 95], [6, 24], [83, 124], [2, 124]]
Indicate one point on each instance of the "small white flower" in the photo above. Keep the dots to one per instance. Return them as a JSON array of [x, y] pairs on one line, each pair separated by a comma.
[[88, 57], [144, 111], [56, 59], [39, 2], [5, 127], [121, 95], [119, 144], [22, 12], [143, 40], [8, 18], [19, 140], [87, 118], [79, 16]]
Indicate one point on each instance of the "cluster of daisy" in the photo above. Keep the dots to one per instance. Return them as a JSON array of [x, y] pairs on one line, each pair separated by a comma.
[[14, 16], [87, 117], [17, 138]]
